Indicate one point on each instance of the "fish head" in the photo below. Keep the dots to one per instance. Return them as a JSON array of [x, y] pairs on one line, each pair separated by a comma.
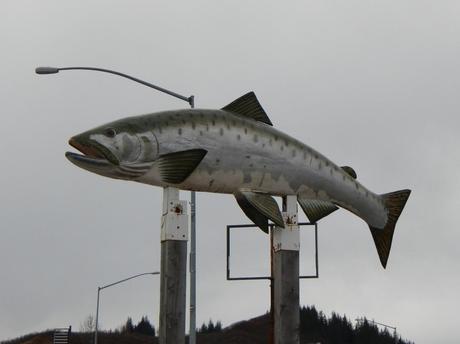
[[120, 149]]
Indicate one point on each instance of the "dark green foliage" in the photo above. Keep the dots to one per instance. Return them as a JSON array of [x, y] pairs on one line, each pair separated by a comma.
[[203, 328], [128, 327], [145, 327], [210, 327], [315, 327], [340, 329]]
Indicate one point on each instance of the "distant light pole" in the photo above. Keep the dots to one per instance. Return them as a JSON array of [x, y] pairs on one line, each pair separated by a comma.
[[110, 285], [360, 321], [191, 101]]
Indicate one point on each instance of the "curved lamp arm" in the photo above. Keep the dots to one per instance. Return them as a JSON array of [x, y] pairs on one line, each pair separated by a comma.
[[96, 327], [54, 70], [126, 279]]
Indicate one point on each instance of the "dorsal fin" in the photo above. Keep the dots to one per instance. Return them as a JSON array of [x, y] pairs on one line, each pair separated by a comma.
[[249, 106]]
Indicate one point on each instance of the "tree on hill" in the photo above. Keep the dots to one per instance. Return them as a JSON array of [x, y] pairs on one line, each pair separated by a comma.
[[211, 327], [316, 327], [128, 327], [145, 327], [340, 329], [89, 324]]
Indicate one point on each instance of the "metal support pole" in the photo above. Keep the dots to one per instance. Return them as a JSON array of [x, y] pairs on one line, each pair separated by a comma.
[[285, 275], [192, 324], [192, 330], [96, 327], [97, 315], [271, 334], [174, 228]]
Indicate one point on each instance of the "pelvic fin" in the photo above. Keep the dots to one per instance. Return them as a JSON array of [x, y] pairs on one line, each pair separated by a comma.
[[260, 208]]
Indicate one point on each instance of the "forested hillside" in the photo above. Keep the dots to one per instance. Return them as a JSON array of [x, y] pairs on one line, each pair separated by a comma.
[[315, 327]]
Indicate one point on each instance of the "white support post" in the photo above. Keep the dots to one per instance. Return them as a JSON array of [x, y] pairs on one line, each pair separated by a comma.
[[288, 238], [174, 236], [174, 222], [285, 275]]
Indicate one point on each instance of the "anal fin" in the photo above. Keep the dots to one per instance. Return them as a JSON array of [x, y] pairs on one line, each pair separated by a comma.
[[316, 209], [260, 208]]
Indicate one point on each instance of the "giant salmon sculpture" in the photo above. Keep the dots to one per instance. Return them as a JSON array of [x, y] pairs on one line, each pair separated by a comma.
[[235, 150]]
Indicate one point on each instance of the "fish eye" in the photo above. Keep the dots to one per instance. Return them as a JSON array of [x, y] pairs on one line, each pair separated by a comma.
[[110, 132]]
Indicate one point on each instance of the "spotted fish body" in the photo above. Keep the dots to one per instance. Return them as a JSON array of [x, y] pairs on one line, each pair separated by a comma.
[[234, 150]]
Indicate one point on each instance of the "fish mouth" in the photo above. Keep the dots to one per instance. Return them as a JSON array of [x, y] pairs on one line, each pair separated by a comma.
[[94, 154], [98, 159]]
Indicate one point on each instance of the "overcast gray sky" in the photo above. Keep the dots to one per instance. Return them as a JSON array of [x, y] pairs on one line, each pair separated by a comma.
[[373, 85]]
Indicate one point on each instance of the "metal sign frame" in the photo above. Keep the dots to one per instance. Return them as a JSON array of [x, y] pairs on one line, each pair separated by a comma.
[[230, 278]]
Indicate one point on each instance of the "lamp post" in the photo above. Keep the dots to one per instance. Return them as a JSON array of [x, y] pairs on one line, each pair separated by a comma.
[[395, 334], [191, 101], [55, 70], [110, 285]]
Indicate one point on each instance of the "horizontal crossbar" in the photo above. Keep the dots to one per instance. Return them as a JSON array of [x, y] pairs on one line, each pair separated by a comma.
[[248, 278]]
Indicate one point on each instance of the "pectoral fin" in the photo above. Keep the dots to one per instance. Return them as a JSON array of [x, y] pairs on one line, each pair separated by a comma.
[[176, 167], [259, 208], [316, 209]]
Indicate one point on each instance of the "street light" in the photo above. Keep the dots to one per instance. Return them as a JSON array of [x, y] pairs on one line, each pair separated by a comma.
[[110, 285], [395, 334], [191, 101], [55, 70]]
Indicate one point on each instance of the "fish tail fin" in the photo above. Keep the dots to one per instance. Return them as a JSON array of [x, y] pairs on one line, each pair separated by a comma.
[[394, 203]]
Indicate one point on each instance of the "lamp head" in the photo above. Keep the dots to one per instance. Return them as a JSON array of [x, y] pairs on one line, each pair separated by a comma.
[[46, 70]]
